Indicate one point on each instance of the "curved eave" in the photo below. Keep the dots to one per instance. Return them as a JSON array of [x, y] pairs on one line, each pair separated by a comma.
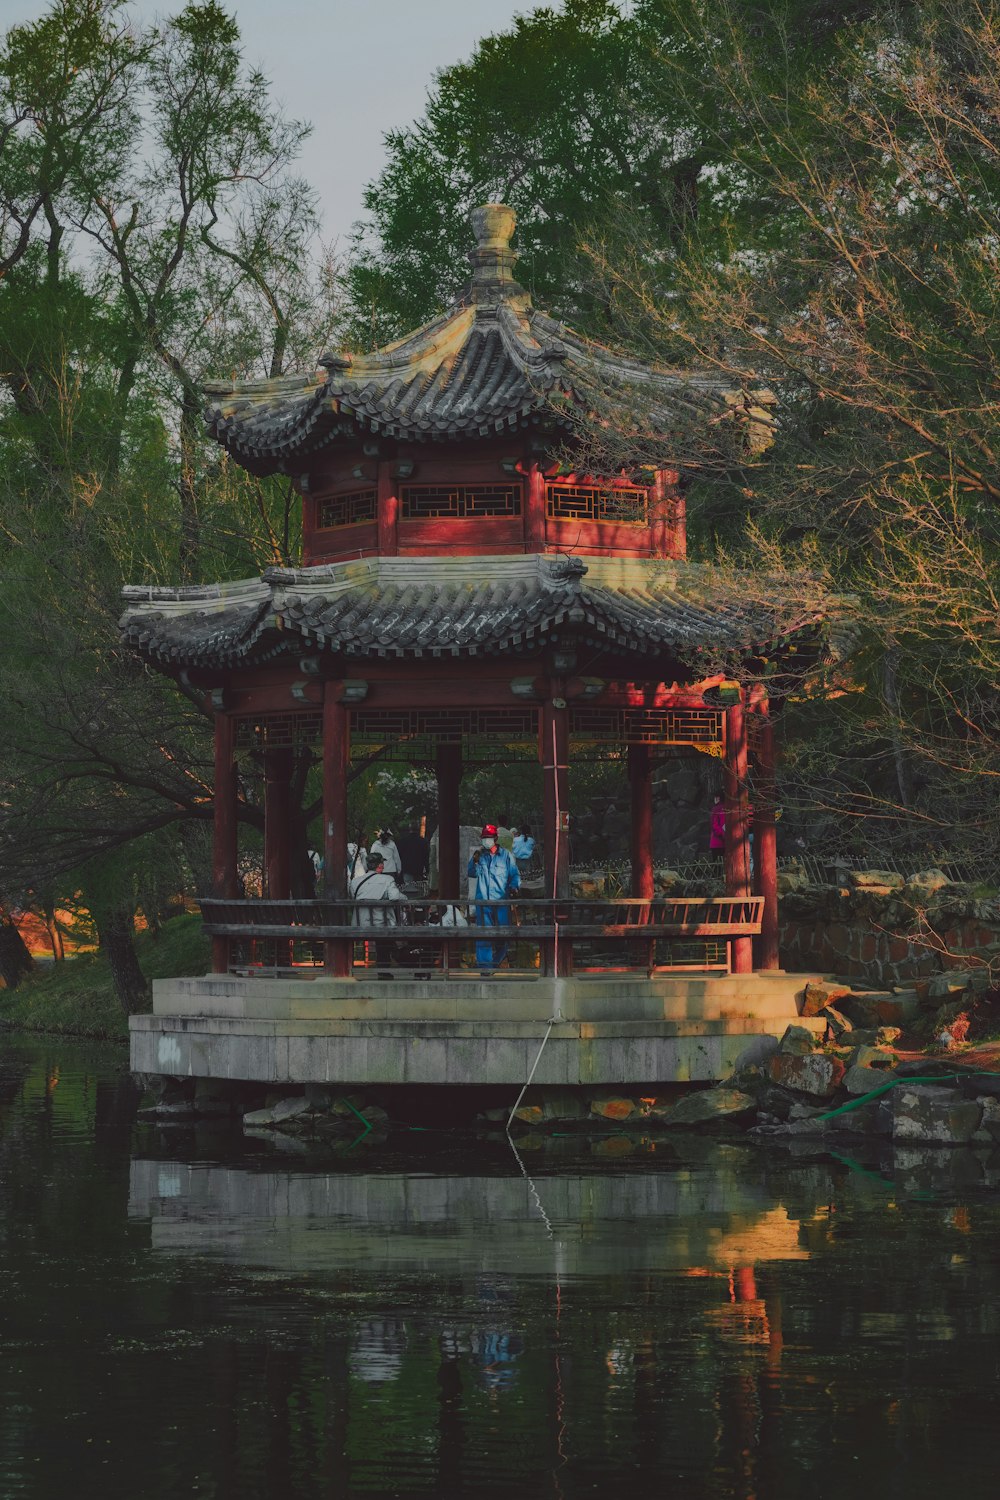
[[473, 373], [439, 610]]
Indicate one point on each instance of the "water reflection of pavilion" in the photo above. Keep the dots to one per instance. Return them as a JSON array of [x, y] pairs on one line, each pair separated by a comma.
[[570, 1224]]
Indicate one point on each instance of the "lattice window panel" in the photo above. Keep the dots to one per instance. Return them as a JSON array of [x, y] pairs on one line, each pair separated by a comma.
[[592, 502], [348, 510], [459, 502], [702, 728], [279, 731], [446, 726]]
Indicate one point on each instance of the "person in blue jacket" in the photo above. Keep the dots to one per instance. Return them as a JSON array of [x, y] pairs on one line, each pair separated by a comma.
[[497, 879]]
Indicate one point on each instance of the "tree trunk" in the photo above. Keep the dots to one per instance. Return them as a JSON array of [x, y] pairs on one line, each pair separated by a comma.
[[117, 939], [190, 434], [15, 960], [891, 690]]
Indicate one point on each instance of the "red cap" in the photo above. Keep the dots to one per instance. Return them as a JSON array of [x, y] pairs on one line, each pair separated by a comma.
[[489, 832]]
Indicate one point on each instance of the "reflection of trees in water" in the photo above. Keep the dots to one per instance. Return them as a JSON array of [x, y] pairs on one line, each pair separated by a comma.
[[866, 1325]]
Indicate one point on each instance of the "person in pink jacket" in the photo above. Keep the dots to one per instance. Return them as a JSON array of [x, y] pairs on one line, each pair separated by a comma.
[[717, 826]]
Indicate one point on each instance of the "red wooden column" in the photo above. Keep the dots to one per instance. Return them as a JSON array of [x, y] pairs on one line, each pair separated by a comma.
[[554, 751], [451, 869], [640, 775], [765, 835], [534, 510], [388, 510], [678, 517], [737, 854], [277, 810], [337, 952], [668, 518], [225, 874]]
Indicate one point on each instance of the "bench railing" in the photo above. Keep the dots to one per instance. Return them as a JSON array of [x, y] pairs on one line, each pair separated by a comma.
[[538, 936]]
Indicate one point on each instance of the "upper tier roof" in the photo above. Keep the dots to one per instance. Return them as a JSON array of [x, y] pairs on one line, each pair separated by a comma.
[[489, 364]]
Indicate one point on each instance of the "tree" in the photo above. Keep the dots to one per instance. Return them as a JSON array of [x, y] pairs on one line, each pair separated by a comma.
[[152, 233], [865, 297]]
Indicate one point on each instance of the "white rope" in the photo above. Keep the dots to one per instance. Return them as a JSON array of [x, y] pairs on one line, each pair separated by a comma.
[[531, 1075]]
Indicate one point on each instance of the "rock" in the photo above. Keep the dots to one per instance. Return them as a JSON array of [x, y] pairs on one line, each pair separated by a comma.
[[818, 996], [683, 787], [288, 1109], [757, 1054], [351, 1105], [612, 1109], [706, 1105], [837, 1021], [165, 1089], [801, 1127], [259, 1119], [886, 1035], [800, 1111], [860, 1010], [926, 882], [862, 1080], [870, 1057], [939, 1116], [775, 1102], [879, 882], [796, 1042], [375, 1114], [320, 1095], [989, 1124], [946, 986], [817, 1074], [530, 1114], [871, 1119]]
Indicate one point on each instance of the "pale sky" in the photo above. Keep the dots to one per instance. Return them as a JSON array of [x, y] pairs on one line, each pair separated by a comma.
[[353, 68]]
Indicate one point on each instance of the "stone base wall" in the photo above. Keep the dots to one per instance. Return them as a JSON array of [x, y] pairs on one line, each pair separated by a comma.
[[882, 930]]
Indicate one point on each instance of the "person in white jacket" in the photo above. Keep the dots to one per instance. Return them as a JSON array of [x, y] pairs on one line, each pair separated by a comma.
[[377, 887], [385, 845]]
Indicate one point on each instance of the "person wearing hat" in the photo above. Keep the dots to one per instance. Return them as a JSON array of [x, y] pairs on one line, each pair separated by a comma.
[[497, 879], [380, 905]]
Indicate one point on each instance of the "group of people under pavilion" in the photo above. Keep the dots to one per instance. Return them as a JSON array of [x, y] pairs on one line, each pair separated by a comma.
[[462, 584]]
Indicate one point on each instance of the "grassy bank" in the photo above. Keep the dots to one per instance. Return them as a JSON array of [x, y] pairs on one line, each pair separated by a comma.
[[77, 997]]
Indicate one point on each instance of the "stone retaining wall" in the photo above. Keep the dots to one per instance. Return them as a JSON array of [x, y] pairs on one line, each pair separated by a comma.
[[884, 930]]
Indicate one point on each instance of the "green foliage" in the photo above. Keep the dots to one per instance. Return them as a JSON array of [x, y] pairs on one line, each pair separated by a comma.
[[77, 997], [152, 233], [546, 117]]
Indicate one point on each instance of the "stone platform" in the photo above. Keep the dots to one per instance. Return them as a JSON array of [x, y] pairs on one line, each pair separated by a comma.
[[622, 1030]]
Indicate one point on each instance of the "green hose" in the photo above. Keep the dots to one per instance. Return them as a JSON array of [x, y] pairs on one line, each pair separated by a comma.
[[844, 1109]]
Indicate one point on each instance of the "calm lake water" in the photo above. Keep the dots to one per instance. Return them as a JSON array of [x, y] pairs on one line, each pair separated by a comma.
[[191, 1313]]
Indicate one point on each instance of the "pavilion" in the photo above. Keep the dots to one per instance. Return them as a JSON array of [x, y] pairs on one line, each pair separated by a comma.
[[466, 593]]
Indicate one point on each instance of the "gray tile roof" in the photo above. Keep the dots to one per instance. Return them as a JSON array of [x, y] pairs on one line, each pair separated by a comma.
[[490, 364], [433, 607]]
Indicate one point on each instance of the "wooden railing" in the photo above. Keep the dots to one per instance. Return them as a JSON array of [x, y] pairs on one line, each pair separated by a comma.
[[544, 937]]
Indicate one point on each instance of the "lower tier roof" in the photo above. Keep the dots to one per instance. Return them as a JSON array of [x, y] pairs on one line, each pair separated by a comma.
[[461, 607]]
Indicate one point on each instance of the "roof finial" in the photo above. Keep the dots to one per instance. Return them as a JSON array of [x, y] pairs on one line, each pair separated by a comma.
[[493, 259]]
